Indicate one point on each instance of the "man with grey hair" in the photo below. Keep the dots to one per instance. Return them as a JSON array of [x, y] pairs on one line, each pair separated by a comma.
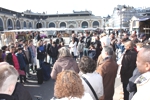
[[8, 80], [108, 70], [105, 41]]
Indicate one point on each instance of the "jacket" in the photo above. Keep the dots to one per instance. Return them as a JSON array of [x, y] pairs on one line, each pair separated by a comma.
[[64, 63], [9, 59], [26, 60], [131, 87], [100, 59], [108, 70], [41, 52], [87, 42], [21, 93], [21, 60], [92, 53], [73, 48], [53, 51], [128, 65], [80, 47], [143, 87]]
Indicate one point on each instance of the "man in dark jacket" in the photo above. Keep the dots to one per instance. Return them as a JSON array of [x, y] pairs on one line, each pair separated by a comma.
[[128, 66], [87, 42]]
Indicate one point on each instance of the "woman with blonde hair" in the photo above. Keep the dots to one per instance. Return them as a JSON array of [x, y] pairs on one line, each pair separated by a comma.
[[64, 62], [69, 86]]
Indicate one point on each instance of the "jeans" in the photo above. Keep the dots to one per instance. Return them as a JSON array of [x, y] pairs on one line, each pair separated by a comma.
[[41, 62], [73, 55], [27, 70], [85, 51], [54, 60], [81, 54]]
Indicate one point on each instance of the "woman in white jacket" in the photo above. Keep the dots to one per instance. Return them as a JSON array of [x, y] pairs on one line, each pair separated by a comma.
[[73, 48]]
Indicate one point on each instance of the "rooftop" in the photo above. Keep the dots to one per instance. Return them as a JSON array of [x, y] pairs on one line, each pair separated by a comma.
[[31, 15]]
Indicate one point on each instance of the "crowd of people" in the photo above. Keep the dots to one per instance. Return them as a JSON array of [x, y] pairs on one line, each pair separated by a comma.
[[84, 70]]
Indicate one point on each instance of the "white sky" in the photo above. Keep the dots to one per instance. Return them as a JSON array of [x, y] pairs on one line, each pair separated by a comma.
[[98, 7]]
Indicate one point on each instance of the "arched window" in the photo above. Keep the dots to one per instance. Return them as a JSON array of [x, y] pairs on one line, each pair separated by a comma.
[[51, 25], [84, 24], [9, 24], [95, 24], [62, 25]]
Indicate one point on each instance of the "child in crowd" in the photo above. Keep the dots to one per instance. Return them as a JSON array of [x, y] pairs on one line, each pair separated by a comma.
[[22, 64]]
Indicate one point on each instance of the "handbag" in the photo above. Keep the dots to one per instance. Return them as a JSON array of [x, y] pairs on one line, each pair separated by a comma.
[[94, 93]]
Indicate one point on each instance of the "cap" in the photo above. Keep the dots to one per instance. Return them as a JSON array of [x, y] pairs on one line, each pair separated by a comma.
[[142, 35]]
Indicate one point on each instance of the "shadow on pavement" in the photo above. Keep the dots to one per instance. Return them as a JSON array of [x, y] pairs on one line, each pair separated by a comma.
[[43, 91]]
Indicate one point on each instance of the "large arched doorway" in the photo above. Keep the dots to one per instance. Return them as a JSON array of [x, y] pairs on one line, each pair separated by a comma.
[[51, 25], [1, 25], [24, 25], [62, 25], [84, 24], [9, 24], [30, 25], [95, 24], [39, 25], [18, 24]]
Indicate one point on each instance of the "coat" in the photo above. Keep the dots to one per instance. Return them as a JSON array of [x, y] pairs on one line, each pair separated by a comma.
[[128, 65], [73, 48], [41, 53], [131, 88], [53, 51], [21, 60], [87, 42], [100, 59], [21, 93], [108, 70], [64, 63]]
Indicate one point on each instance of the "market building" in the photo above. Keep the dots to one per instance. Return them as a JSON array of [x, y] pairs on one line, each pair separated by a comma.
[[10, 20]]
